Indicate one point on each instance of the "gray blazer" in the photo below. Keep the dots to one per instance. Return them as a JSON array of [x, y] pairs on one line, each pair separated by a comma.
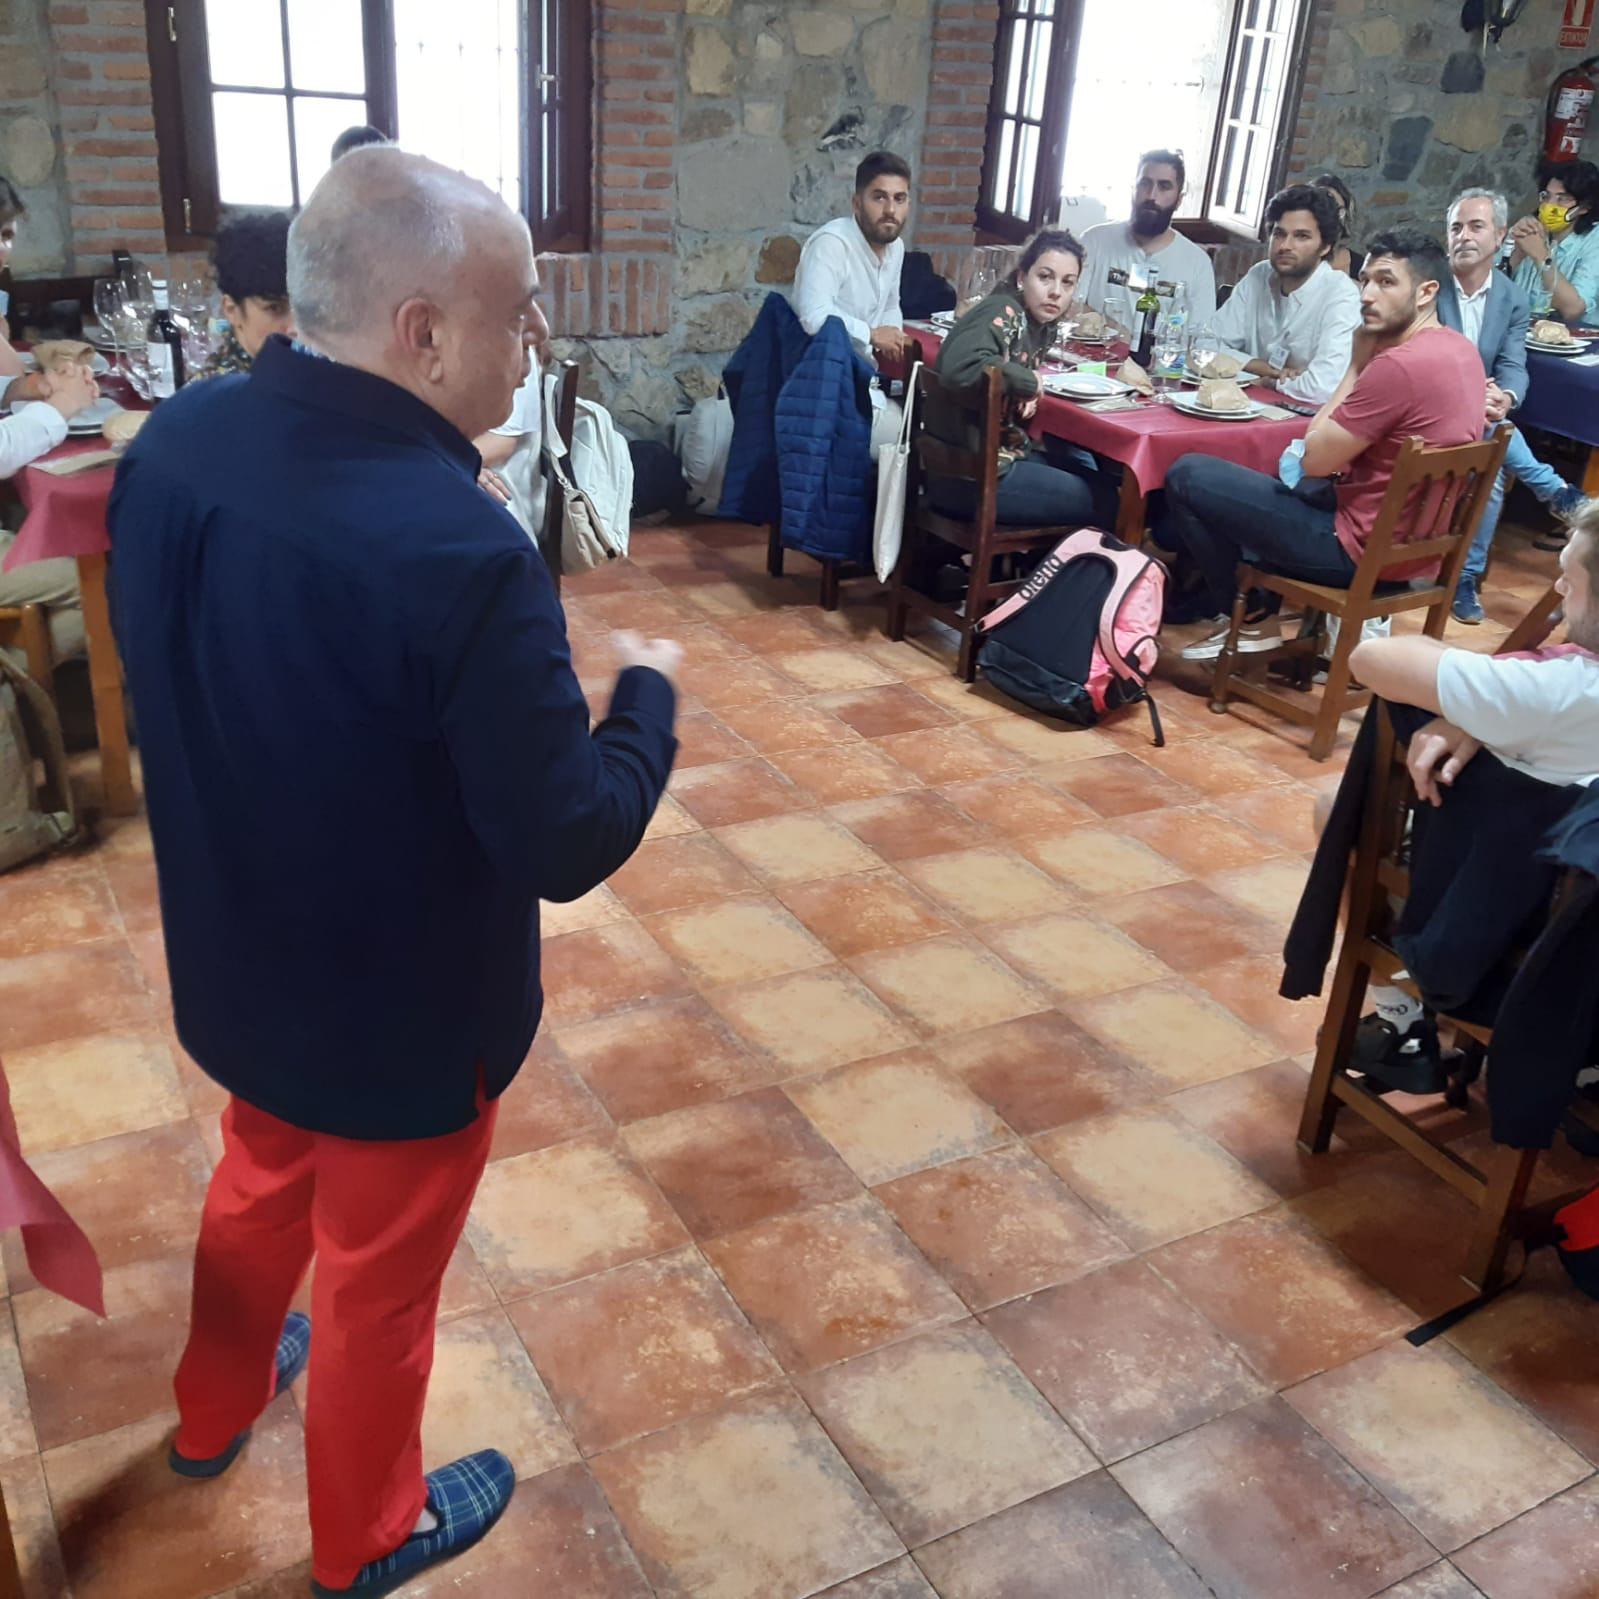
[[1505, 321]]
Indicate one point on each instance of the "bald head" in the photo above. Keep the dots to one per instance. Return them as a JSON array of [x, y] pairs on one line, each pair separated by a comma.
[[420, 274]]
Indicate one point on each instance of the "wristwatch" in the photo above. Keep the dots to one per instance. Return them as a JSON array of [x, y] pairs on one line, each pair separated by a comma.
[[1547, 262]]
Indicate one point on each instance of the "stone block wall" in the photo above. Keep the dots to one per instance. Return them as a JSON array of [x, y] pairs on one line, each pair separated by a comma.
[[1377, 110]]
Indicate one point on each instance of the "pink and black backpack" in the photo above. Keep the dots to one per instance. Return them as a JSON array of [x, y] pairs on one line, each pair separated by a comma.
[[1079, 637]]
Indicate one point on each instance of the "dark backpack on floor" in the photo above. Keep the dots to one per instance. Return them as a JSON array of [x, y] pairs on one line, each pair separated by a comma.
[[1079, 638]]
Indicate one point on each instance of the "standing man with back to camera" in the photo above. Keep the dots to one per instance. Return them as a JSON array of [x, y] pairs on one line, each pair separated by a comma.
[[367, 758]]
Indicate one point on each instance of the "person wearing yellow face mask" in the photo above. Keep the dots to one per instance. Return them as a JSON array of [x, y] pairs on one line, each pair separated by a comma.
[[1556, 256]]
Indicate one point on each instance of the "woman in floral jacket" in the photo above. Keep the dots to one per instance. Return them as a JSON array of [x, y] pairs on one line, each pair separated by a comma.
[[1012, 329]]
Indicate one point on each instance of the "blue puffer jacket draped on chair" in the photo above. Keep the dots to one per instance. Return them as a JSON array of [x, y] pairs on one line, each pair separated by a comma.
[[801, 450]]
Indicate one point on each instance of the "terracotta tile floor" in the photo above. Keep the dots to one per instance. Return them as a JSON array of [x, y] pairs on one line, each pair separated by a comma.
[[901, 1200]]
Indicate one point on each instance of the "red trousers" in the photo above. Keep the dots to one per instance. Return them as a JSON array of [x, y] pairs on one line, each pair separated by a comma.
[[382, 1220]]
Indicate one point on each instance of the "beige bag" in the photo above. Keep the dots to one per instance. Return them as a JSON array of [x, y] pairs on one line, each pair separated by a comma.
[[585, 543], [30, 738]]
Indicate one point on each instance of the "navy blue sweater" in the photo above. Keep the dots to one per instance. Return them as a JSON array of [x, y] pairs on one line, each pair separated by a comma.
[[366, 755]]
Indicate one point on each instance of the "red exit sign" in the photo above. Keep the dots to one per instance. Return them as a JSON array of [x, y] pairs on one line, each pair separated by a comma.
[[1578, 24]]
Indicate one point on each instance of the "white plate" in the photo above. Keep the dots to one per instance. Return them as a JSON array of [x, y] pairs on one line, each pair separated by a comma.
[[97, 365], [942, 319], [1084, 385], [1557, 349], [89, 420], [1192, 407]]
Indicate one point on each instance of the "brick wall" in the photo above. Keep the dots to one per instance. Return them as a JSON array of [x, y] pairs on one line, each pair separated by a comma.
[[102, 92], [957, 113]]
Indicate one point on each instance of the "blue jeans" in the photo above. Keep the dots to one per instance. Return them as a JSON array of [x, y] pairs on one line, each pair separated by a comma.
[[1221, 513], [1034, 493], [1546, 484]]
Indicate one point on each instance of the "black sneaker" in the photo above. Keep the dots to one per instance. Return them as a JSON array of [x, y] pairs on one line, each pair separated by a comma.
[[1410, 1061]]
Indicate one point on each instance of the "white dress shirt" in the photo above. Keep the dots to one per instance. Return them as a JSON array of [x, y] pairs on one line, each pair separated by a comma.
[[27, 434], [1309, 330], [1472, 307], [1111, 245], [841, 275]]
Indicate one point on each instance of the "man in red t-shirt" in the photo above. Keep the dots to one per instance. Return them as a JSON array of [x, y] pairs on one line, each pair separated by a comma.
[[1409, 376]]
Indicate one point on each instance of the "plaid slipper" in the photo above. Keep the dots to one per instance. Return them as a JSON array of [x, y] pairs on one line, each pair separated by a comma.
[[294, 1350], [468, 1496]]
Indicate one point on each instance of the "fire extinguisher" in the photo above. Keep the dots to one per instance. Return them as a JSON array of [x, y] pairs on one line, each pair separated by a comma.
[[1570, 100]]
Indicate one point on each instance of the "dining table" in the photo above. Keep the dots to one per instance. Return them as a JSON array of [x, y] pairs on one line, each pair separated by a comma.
[[1147, 440], [66, 516], [1563, 398]]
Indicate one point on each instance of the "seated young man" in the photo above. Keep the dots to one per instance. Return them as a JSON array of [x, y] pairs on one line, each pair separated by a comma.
[[1408, 376], [251, 260], [25, 435], [1538, 712]]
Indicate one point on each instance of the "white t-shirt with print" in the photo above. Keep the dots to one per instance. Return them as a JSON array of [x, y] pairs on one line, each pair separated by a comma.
[[1538, 713]]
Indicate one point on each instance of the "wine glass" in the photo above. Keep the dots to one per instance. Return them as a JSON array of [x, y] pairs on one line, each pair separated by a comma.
[[109, 301]]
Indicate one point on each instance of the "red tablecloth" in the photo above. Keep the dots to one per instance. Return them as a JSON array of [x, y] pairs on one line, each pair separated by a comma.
[[59, 1252], [66, 515], [1147, 441]]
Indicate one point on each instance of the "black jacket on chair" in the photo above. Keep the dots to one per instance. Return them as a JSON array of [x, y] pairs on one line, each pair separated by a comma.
[[1482, 878]]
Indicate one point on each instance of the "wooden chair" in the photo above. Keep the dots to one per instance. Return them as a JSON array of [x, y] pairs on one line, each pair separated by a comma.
[[1379, 875], [833, 572], [28, 627], [928, 531], [1451, 487], [565, 419]]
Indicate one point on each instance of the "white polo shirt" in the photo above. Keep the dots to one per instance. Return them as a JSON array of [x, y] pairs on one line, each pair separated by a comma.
[[1540, 716]]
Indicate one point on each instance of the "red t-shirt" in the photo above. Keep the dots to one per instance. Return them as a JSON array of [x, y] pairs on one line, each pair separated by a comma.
[[1429, 387]]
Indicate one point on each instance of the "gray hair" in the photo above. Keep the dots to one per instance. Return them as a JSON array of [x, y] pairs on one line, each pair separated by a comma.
[[1500, 203], [382, 227]]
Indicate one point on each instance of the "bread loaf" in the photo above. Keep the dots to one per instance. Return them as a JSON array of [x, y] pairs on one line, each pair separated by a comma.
[[121, 426], [1222, 394], [1551, 333], [53, 353]]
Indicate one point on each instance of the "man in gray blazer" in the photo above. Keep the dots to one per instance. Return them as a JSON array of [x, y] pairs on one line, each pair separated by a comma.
[[1494, 314]]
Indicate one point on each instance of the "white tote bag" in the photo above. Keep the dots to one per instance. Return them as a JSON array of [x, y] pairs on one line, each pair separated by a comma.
[[893, 472]]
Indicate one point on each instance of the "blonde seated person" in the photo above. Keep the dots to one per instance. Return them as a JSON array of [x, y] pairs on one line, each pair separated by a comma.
[[25, 436]]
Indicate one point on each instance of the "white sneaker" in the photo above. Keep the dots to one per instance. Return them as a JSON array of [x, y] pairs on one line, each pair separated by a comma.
[[1252, 637]]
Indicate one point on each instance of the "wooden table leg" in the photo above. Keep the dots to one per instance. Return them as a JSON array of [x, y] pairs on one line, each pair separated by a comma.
[[1132, 511], [105, 683], [1590, 475]]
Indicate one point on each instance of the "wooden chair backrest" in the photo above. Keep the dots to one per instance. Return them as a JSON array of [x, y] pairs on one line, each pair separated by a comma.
[[951, 411], [1434, 501]]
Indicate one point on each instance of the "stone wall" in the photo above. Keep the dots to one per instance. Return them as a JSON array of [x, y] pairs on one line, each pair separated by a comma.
[[29, 151], [772, 106], [1377, 106]]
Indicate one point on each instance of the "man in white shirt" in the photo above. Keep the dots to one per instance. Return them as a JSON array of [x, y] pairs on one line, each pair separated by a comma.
[[25, 435], [850, 269], [1148, 249], [1292, 315]]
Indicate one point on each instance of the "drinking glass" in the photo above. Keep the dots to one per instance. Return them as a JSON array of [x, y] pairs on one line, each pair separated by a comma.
[[1203, 349], [1118, 323], [109, 302]]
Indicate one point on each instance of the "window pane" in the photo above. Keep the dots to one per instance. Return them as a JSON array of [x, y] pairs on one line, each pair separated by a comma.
[[1038, 68], [999, 188], [325, 49], [1018, 58], [460, 78], [317, 123], [252, 149], [1026, 169], [246, 42], [1263, 101], [1244, 79], [1227, 172]]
